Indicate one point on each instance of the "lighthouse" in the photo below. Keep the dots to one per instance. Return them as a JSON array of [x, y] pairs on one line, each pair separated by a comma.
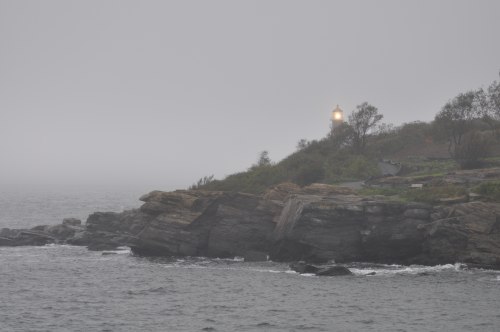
[[337, 117]]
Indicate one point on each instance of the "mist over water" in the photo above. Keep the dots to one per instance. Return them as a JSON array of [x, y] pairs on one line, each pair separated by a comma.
[[29, 206]]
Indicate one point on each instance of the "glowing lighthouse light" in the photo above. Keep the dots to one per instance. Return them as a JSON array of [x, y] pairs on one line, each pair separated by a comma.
[[337, 116]]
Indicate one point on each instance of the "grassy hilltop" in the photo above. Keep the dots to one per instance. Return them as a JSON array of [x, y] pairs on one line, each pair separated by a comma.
[[463, 135]]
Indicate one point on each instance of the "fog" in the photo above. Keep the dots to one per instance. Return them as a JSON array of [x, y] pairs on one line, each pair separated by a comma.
[[161, 93]]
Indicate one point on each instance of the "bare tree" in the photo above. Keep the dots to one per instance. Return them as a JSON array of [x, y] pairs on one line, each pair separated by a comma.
[[364, 119]]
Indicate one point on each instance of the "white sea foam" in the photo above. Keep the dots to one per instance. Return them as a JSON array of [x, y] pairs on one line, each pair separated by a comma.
[[412, 269], [119, 251]]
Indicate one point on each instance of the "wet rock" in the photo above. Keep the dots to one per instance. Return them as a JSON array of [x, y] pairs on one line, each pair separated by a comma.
[[302, 267], [334, 271], [25, 237], [468, 234], [320, 223], [344, 228]]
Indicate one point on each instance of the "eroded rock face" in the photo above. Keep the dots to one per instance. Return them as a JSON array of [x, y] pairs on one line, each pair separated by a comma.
[[214, 224], [348, 228], [468, 232]]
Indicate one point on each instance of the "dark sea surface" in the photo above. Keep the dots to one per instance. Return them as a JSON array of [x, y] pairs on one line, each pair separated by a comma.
[[67, 288]]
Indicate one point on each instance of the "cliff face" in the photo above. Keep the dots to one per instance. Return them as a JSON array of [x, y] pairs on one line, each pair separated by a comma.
[[316, 224], [348, 228], [198, 223], [468, 232], [351, 228]]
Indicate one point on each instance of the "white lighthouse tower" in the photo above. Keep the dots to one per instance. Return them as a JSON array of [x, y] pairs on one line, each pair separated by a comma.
[[337, 117]]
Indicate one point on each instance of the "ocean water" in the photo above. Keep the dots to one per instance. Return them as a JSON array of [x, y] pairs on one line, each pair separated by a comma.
[[67, 288]]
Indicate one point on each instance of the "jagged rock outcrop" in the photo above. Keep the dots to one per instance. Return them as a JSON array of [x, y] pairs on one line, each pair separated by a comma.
[[468, 233], [109, 230], [353, 228], [40, 235], [319, 223], [348, 228], [214, 224]]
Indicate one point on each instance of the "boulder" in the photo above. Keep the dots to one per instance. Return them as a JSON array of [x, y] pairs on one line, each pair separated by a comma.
[[302, 267], [334, 271]]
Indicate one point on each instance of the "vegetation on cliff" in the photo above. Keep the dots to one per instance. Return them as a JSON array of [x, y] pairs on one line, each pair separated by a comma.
[[464, 133]]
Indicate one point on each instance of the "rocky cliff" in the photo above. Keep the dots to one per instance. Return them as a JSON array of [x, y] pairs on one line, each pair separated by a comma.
[[318, 223]]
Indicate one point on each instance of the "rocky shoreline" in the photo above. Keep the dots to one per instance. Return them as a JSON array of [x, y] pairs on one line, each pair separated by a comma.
[[317, 224]]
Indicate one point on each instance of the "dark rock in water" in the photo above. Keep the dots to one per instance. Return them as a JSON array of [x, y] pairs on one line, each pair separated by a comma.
[[149, 251], [302, 267], [24, 237], [334, 271], [6, 242]]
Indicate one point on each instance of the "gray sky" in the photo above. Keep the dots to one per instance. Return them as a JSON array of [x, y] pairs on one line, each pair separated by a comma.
[[164, 92]]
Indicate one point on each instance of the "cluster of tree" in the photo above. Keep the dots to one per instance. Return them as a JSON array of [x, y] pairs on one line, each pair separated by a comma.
[[464, 118]]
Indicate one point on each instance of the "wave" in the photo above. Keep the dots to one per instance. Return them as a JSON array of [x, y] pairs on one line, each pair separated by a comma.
[[381, 269]]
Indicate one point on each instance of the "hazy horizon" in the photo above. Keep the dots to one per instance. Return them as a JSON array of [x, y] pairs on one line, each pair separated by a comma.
[[161, 93]]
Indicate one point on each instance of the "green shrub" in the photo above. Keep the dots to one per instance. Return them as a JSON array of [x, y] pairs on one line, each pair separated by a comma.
[[490, 190], [346, 167]]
